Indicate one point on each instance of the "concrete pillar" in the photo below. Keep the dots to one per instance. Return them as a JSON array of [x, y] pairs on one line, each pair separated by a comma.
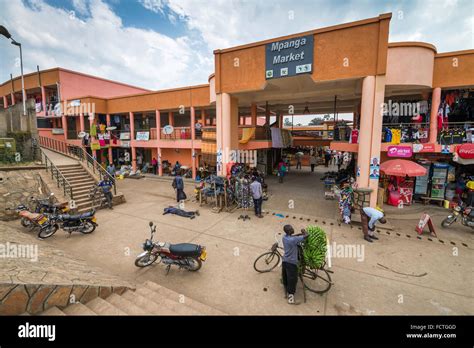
[[13, 98], [91, 122], [365, 131], [253, 114], [193, 137], [158, 124], [134, 158], [5, 102], [107, 122], [43, 99], [81, 122], [267, 114], [377, 132], [435, 101], [64, 124], [227, 132], [203, 117], [160, 166], [132, 125], [170, 118]]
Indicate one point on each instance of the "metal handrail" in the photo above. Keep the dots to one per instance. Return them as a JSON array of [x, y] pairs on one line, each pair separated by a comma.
[[80, 153], [56, 174]]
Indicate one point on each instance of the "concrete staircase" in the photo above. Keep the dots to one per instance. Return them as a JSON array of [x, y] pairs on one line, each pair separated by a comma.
[[81, 182], [148, 299]]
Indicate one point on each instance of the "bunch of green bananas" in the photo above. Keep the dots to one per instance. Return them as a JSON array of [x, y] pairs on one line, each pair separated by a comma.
[[315, 247]]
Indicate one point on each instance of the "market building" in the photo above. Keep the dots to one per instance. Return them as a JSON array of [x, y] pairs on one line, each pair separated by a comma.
[[407, 101]]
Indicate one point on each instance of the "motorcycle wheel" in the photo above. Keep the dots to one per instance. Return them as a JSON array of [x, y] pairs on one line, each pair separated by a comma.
[[89, 227], [47, 231], [447, 222], [195, 264], [146, 260], [25, 222]]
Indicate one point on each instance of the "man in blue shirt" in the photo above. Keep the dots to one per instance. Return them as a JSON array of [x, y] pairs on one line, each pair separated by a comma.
[[290, 261], [257, 193], [368, 217], [106, 186]]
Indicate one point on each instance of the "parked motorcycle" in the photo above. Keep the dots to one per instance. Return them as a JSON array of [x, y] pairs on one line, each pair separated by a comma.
[[31, 219], [84, 223], [460, 211], [185, 255], [45, 206]]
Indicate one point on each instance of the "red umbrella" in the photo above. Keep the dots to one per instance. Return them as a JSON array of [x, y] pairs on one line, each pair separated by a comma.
[[399, 167]]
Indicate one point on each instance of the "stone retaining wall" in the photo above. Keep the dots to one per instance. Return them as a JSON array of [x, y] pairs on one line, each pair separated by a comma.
[[52, 278]]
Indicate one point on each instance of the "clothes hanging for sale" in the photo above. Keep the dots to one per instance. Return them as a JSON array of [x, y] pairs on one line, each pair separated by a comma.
[[277, 141], [387, 135], [354, 139], [396, 136], [93, 130], [102, 128]]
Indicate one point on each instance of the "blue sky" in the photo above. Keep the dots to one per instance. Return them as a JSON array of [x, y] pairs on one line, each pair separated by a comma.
[[160, 44]]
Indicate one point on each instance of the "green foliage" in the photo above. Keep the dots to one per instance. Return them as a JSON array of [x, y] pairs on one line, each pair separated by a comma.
[[315, 247]]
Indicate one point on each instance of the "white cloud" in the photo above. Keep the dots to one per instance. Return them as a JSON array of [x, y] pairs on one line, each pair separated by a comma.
[[99, 45]]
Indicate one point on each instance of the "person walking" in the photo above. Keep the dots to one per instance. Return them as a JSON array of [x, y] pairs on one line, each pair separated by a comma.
[[282, 169], [257, 195], [178, 185], [368, 217], [327, 158], [289, 267], [298, 160], [313, 161], [154, 163]]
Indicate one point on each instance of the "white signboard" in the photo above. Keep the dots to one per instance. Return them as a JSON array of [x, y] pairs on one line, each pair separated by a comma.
[[124, 136], [143, 136]]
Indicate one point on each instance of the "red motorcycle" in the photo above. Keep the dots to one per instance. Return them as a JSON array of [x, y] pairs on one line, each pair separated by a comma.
[[185, 255]]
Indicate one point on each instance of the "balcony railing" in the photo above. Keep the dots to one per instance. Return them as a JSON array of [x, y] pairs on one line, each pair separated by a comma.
[[456, 133], [405, 132], [179, 133]]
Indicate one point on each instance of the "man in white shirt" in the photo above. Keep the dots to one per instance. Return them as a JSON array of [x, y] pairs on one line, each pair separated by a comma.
[[369, 216]]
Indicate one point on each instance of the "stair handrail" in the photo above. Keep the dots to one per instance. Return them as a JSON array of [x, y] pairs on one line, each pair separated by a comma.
[[56, 174], [80, 153], [84, 156]]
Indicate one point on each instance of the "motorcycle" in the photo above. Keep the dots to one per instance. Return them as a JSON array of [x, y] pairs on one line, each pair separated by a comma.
[[84, 223], [31, 219], [460, 211], [45, 206], [185, 255]]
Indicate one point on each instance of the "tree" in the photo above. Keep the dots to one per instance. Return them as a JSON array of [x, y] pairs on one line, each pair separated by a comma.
[[315, 121]]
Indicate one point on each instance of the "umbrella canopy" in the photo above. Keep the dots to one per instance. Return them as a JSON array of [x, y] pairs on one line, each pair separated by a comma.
[[399, 167]]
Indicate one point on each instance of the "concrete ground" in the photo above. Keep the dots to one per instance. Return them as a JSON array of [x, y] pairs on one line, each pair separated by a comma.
[[398, 274]]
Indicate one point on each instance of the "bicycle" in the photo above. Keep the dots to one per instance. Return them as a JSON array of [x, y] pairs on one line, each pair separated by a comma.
[[317, 280]]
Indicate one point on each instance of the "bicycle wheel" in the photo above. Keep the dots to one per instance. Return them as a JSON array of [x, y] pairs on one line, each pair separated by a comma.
[[316, 280], [266, 262]]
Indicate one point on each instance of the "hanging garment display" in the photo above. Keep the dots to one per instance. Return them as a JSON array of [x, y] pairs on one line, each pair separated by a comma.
[[277, 141], [396, 136], [354, 139], [93, 130]]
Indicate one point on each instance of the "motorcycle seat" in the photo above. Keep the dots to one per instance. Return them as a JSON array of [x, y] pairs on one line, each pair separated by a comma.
[[185, 249], [78, 216]]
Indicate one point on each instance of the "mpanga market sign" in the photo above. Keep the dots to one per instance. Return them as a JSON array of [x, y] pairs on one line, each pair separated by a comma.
[[289, 57]]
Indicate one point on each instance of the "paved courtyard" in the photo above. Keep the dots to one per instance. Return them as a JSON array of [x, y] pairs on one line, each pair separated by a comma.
[[398, 274]]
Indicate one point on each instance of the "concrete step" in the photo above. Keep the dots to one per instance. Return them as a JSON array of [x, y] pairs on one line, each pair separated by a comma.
[[53, 311], [69, 166], [165, 305], [80, 179], [102, 307], [125, 305], [78, 309], [196, 305], [74, 174]]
